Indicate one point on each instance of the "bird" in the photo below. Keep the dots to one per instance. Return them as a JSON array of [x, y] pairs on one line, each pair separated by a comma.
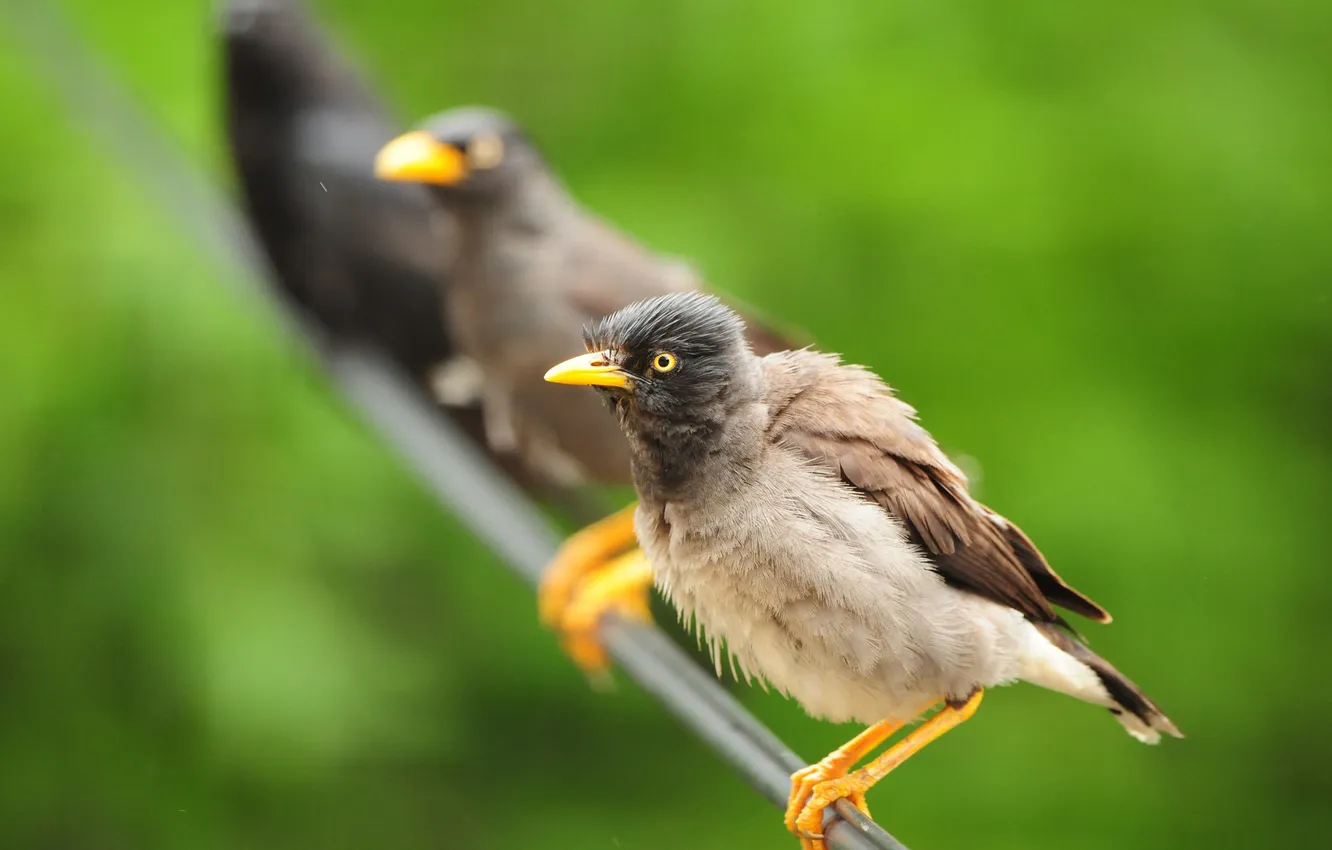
[[795, 511], [366, 261], [533, 267]]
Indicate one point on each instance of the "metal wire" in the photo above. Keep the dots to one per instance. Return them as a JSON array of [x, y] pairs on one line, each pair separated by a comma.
[[459, 476]]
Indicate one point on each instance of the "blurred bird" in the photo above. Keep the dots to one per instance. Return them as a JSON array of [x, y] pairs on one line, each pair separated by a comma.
[[367, 260], [792, 507], [533, 268]]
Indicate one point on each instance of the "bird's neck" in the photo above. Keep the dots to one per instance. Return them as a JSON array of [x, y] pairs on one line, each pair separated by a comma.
[[677, 457], [501, 236], [533, 206]]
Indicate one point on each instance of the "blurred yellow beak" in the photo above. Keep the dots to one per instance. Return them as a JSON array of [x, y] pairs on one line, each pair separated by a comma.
[[415, 157], [588, 370]]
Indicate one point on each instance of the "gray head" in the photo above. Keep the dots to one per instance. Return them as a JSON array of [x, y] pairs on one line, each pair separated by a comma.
[[672, 367], [466, 153]]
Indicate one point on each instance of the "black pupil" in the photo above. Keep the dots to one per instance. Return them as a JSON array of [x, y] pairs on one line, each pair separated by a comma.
[[663, 361]]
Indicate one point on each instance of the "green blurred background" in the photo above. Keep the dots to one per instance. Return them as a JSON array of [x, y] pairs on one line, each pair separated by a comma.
[[1089, 242]]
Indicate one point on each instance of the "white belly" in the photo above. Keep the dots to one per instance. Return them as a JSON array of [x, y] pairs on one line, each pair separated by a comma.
[[819, 594]]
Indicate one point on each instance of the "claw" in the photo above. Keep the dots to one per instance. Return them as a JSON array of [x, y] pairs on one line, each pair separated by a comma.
[[818, 786], [582, 555], [620, 588], [806, 820], [823, 794], [585, 582], [809, 796]]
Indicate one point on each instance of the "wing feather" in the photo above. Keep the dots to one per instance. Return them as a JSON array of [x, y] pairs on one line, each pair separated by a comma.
[[846, 418]]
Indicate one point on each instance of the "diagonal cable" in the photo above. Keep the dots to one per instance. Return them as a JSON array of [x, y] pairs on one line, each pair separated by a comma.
[[461, 478]]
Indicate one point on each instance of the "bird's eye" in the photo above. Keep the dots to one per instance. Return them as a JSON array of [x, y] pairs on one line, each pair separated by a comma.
[[485, 151], [664, 362]]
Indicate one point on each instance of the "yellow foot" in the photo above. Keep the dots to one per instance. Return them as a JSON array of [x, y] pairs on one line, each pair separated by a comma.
[[807, 782], [580, 556], [586, 581], [815, 788], [620, 588], [820, 791]]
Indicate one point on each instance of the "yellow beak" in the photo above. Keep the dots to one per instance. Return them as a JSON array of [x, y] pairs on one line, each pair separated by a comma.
[[589, 370], [415, 157]]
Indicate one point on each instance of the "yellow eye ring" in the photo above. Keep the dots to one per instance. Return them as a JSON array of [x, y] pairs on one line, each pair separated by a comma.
[[664, 361], [485, 151]]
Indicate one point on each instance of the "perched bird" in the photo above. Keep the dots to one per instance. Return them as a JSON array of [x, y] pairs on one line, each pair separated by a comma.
[[366, 260], [792, 507], [533, 267]]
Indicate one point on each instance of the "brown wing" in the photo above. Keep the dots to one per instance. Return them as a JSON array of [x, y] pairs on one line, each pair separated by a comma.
[[848, 419], [607, 271]]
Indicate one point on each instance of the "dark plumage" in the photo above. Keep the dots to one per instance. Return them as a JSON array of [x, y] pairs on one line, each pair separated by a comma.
[[368, 261], [706, 342]]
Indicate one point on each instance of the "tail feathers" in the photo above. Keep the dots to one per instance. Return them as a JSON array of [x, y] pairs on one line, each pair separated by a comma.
[[1131, 707]]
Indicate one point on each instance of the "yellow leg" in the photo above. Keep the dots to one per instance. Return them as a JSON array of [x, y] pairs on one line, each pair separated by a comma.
[[833, 765], [620, 588], [586, 581], [827, 782], [583, 553]]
